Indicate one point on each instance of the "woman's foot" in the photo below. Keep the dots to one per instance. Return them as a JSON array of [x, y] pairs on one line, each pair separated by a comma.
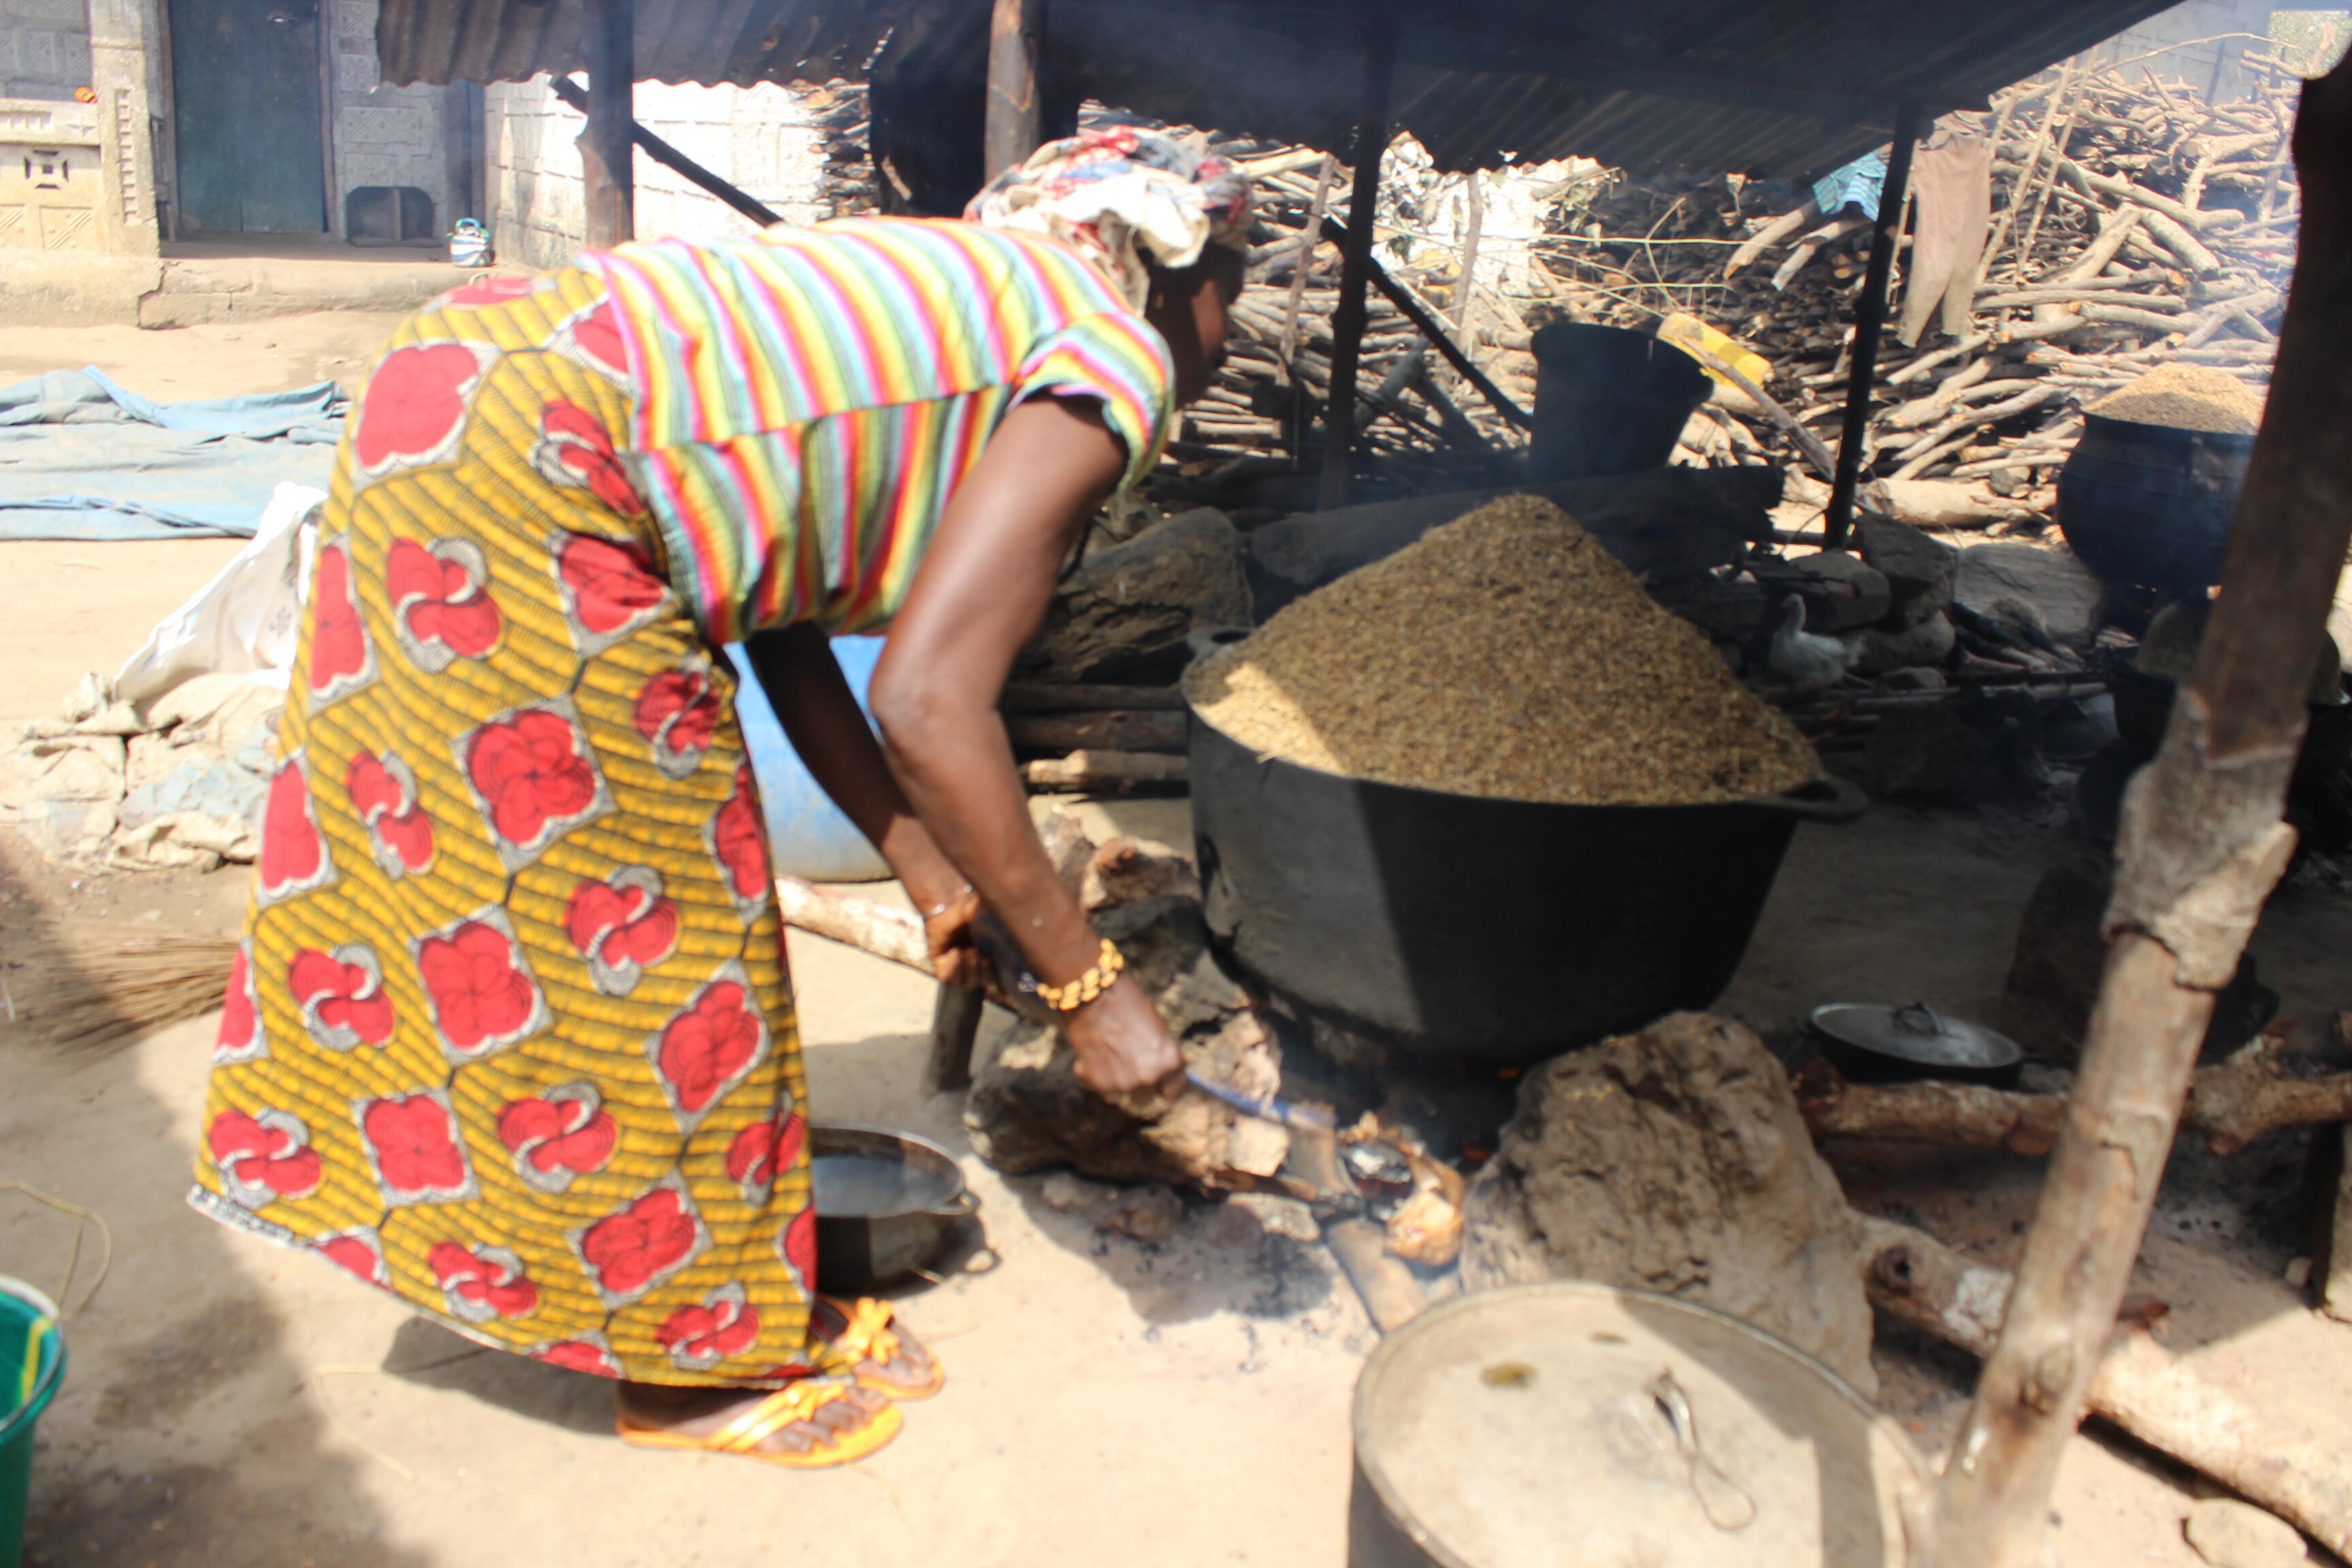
[[865, 1340], [807, 1425]]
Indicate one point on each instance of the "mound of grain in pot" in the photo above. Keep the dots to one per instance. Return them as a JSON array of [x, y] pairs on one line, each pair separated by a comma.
[[2187, 398], [1505, 654]]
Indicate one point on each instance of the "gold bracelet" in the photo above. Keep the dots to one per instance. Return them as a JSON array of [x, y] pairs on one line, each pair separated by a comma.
[[1070, 998]]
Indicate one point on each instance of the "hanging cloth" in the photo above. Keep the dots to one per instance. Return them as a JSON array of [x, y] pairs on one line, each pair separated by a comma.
[[1951, 184]]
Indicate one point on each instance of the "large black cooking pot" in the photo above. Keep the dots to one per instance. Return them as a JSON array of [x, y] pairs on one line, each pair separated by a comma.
[[1489, 929], [2151, 504]]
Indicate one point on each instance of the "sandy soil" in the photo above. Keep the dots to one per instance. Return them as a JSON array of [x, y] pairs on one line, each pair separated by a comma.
[[209, 361], [71, 606], [230, 1403], [68, 606]]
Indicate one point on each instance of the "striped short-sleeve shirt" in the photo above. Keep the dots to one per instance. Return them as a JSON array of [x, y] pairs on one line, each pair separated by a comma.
[[808, 399]]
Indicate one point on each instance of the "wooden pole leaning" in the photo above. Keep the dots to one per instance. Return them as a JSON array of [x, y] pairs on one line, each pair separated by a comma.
[[1356, 257], [2201, 847], [607, 159], [1434, 330], [669, 157], [1869, 318]]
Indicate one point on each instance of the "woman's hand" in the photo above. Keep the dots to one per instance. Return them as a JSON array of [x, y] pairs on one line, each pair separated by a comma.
[[1124, 1051], [953, 937]]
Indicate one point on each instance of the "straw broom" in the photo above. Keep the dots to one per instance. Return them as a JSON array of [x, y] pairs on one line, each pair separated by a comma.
[[86, 985]]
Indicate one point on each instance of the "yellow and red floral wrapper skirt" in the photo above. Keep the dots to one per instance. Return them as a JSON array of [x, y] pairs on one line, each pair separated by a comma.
[[509, 1035]]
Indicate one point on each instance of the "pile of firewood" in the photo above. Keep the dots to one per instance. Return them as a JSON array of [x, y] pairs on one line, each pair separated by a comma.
[[1420, 422], [841, 114], [2132, 224]]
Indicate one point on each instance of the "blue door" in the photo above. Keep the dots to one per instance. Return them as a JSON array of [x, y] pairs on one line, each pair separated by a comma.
[[244, 87]]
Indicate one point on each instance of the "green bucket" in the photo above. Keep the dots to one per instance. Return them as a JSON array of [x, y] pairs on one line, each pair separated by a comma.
[[32, 1364]]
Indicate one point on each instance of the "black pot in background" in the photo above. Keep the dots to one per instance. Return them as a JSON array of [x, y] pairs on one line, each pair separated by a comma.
[[866, 1244], [1946, 1051], [1485, 930], [2151, 504], [1608, 401]]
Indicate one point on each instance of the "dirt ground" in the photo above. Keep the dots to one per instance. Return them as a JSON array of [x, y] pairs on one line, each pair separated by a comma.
[[68, 607], [231, 1404], [210, 360]]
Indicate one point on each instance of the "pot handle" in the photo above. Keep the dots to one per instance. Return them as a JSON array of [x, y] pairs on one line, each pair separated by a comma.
[[964, 1205], [1824, 799], [984, 1260]]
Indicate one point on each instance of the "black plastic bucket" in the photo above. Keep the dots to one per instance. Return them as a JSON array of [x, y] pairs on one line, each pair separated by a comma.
[[1608, 401], [2151, 504], [1492, 930]]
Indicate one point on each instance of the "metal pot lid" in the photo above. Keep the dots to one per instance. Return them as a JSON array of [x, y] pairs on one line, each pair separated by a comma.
[[1566, 1424], [1916, 1033]]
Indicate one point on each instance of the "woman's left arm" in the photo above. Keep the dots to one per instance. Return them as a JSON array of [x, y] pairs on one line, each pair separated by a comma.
[[820, 718]]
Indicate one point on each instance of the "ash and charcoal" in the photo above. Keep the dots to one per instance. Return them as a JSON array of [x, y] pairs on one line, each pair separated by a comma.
[[1186, 1255]]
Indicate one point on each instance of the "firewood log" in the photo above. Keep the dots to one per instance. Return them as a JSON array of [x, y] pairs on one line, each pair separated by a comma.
[[2157, 1398], [867, 924], [1101, 770], [2232, 1104], [1111, 732], [2134, 221]]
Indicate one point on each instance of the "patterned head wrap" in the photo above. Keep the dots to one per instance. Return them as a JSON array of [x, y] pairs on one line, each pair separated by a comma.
[[1121, 197]]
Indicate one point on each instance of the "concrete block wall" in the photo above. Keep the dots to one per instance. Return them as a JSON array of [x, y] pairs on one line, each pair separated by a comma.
[[531, 173], [384, 135], [43, 48], [763, 139]]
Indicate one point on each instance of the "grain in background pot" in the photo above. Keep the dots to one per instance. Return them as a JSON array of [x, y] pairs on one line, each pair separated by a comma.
[[2186, 398]]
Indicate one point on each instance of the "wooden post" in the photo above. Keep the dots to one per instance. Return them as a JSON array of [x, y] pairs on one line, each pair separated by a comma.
[[1356, 256], [1294, 428], [2201, 847], [1015, 108], [1474, 218], [955, 1025], [607, 159], [1869, 316], [2333, 1227], [1309, 239]]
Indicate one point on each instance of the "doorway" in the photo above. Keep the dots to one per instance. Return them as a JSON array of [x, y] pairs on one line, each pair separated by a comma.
[[244, 88]]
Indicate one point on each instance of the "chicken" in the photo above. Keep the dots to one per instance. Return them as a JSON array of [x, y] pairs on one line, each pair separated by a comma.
[[1807, 663]]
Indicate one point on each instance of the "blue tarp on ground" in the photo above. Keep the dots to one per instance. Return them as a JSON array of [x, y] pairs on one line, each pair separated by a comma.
[[81, 457]]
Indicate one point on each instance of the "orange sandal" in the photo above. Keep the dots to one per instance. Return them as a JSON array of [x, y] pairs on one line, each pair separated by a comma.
[[866, 1341], [793, 1410]]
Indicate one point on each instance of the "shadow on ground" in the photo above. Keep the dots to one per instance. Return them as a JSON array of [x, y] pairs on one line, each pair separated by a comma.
[[185, 1432], [430, 1356]]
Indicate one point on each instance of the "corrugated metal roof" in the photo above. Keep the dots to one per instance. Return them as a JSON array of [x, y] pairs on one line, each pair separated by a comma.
[[706, 41], [1765, 87]]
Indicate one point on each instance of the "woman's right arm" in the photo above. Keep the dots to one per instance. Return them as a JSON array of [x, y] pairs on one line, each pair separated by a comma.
[[977, 599]]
